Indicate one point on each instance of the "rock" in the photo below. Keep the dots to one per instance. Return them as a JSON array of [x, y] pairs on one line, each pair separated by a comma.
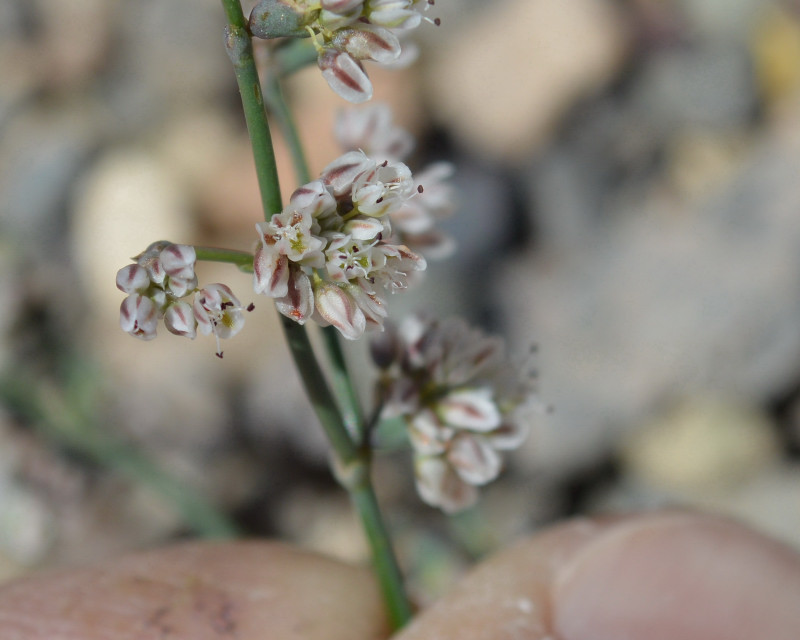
[[702, 445], [667, 298], [502, 80]]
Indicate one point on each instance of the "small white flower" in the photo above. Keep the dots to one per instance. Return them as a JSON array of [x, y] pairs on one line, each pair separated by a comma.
[[178, 260], [345, 75], [473, 409], [440, 486], [368, 43], [138, 316], [133, 279], [339, 308], [180, 320], [218, 311], [340, 174]]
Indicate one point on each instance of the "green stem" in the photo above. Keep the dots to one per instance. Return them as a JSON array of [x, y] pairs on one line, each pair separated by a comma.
[[353, 461], [353, 473], [383, 558], [319, 393], [343, 384], [241, 259], [240, 50], [277, 104]]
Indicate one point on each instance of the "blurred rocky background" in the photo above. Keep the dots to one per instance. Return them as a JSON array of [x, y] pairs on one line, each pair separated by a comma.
[[629, 180]]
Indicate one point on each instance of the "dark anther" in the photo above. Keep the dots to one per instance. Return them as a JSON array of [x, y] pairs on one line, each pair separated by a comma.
[[437, 21], [251, 306], [219, 355], [420, 189], [379, 200], [225, 305], [385, 163]]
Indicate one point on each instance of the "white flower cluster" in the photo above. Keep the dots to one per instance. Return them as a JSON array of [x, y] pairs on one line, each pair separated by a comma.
[[463, 402], [372, 130], [346, 33], [326, 255], [157, 285]]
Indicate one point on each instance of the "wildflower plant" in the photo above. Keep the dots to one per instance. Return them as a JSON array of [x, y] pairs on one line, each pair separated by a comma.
[[360, 231]]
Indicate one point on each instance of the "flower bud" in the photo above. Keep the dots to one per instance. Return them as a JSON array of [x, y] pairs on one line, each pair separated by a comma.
[[339, 309], [278, 19], [345, 75], [179, 319]]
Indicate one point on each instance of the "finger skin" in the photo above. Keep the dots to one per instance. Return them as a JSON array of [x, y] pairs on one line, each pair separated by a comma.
[[202, 591], [668, 576]]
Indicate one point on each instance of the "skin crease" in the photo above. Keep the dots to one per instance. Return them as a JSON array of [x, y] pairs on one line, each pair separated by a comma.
[[671, 575]]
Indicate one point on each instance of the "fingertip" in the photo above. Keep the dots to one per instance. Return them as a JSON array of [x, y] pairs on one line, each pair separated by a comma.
[[678, 575], [199, 591]]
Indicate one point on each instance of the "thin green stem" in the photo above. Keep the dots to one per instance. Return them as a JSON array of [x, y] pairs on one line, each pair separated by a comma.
[[383, 558], [343, 384], [277, 104], [241, 259], [240, 50], [319, 393]]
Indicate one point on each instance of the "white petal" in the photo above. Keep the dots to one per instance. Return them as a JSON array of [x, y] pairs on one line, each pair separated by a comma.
[[439, 486], [472, 409], [138, 316], [474, 459], [345, 76], [509, 435], [178, 261], [298, 303], [179, 319], [363, 228], [369, 43], [313, 197], [339, 309], [428, 435], [132, 279], [270, 273], [340, 174]]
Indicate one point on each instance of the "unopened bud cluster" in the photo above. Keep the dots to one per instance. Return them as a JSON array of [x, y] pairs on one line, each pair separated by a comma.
[[345, 32], [328, 254], [158, 285], [463, 402], [372, 130]]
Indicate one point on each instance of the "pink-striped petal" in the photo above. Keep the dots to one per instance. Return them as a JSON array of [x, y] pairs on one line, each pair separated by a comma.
[[298, 303], [133, 279], [472, 409], [474, 459], [345, 76], [440, 486], [179, 319], [270, 273], [339, 309]]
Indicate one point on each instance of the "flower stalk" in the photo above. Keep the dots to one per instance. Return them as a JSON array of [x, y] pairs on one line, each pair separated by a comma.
[[241, 259]]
